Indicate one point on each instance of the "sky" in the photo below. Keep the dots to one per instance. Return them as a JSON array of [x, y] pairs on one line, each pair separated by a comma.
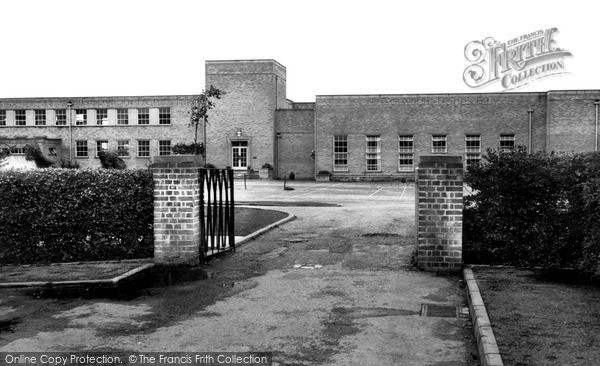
[[62, 48]]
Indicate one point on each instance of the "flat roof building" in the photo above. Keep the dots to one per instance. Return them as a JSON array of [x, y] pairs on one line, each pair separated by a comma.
[[351, 136]]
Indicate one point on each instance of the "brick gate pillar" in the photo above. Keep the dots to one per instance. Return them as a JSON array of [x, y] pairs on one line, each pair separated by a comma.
[[439, 208], [176, 211]]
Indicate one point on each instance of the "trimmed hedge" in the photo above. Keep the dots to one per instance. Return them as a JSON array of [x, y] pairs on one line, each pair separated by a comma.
[[62, 215], [536, 209]]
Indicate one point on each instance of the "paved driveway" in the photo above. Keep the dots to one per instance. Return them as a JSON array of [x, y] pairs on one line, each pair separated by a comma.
[[355, 300]]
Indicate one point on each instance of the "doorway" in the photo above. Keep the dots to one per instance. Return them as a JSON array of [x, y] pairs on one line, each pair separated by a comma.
[[239, 154]]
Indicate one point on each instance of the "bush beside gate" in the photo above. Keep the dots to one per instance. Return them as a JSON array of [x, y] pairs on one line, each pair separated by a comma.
[[540, 209], [61, 215]]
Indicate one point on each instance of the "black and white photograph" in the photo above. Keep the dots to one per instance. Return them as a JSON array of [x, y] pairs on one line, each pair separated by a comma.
[[299, 183]]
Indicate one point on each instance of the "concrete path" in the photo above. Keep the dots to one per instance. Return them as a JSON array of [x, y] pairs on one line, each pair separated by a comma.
[[357, 301]]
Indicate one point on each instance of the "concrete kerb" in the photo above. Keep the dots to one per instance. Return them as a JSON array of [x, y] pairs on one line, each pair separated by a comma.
[[112, 282], [489, 354]]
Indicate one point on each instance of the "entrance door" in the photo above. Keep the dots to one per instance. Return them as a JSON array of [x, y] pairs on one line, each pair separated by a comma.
[[239, 154]]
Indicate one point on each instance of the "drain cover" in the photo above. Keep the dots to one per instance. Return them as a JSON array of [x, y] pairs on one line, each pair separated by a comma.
[[443, 311]]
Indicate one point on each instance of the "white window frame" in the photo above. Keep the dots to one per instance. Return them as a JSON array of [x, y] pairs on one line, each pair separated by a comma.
[[101, 145], [373, 153], [164, 116], [62, 113], [504, 138], [122, 116], [340, 153], [439, 138], [242, 148], [123, 147], [145, 113], [406, 152], [139, 152], [102, 116], [20, 116], [161, 147], [472, 149], [80, 152], [81, 117], [39, 116]]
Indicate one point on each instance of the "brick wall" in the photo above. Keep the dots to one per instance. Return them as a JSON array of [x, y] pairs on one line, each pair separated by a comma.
[[178, 131], [439, 206], [255, 88], [176, 215], [421, 116], [572, 120], [296, 143]]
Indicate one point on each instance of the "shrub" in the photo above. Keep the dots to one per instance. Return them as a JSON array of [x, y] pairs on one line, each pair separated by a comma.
[[267, 166], [66, 164], [33, 152], [324, 172], [60, 215], [188, 149], [4, 153], [532, 209], [111, 160], [589, 263]]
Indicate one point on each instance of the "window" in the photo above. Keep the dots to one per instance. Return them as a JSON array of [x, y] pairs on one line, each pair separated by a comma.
[[17, 150], [473, 143], [20, 119], [101, 116], [143, 116], [373, 153], [40, 117], [101, 145], [2, 117], [123, 147], [164, 116], [507, 142], [122, 116], [438, 144], [81, 117], [239, 154], [60, 116], [143, 148], [81, 149], [472, 150], [164, 147], [340, 153], [406, 156], [52, 151]]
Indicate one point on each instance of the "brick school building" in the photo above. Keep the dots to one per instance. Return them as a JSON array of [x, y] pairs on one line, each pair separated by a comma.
[[354, 137]]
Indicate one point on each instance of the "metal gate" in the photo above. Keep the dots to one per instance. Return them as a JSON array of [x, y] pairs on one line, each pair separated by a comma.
[[217, 217]]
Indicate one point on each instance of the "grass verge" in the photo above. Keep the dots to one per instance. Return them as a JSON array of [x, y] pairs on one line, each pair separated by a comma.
[[538, 320]]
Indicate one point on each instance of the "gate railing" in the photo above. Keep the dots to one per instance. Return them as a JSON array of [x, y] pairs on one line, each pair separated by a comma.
[[217, 217]]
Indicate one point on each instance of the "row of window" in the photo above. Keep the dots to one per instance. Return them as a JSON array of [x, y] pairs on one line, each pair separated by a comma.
[[406, 156], [81, 116], [123, 148]]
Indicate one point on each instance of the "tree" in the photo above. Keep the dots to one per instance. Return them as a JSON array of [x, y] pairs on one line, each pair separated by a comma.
[[199, 111]]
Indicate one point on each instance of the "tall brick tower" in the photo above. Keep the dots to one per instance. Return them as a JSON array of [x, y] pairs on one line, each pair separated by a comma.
[[241, 128]]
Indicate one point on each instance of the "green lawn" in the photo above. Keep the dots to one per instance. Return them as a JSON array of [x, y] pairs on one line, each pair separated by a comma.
[[248, 220]]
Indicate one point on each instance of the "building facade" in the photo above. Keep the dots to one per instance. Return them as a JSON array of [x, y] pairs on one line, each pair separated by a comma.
[[351, 136], [76, 129]]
